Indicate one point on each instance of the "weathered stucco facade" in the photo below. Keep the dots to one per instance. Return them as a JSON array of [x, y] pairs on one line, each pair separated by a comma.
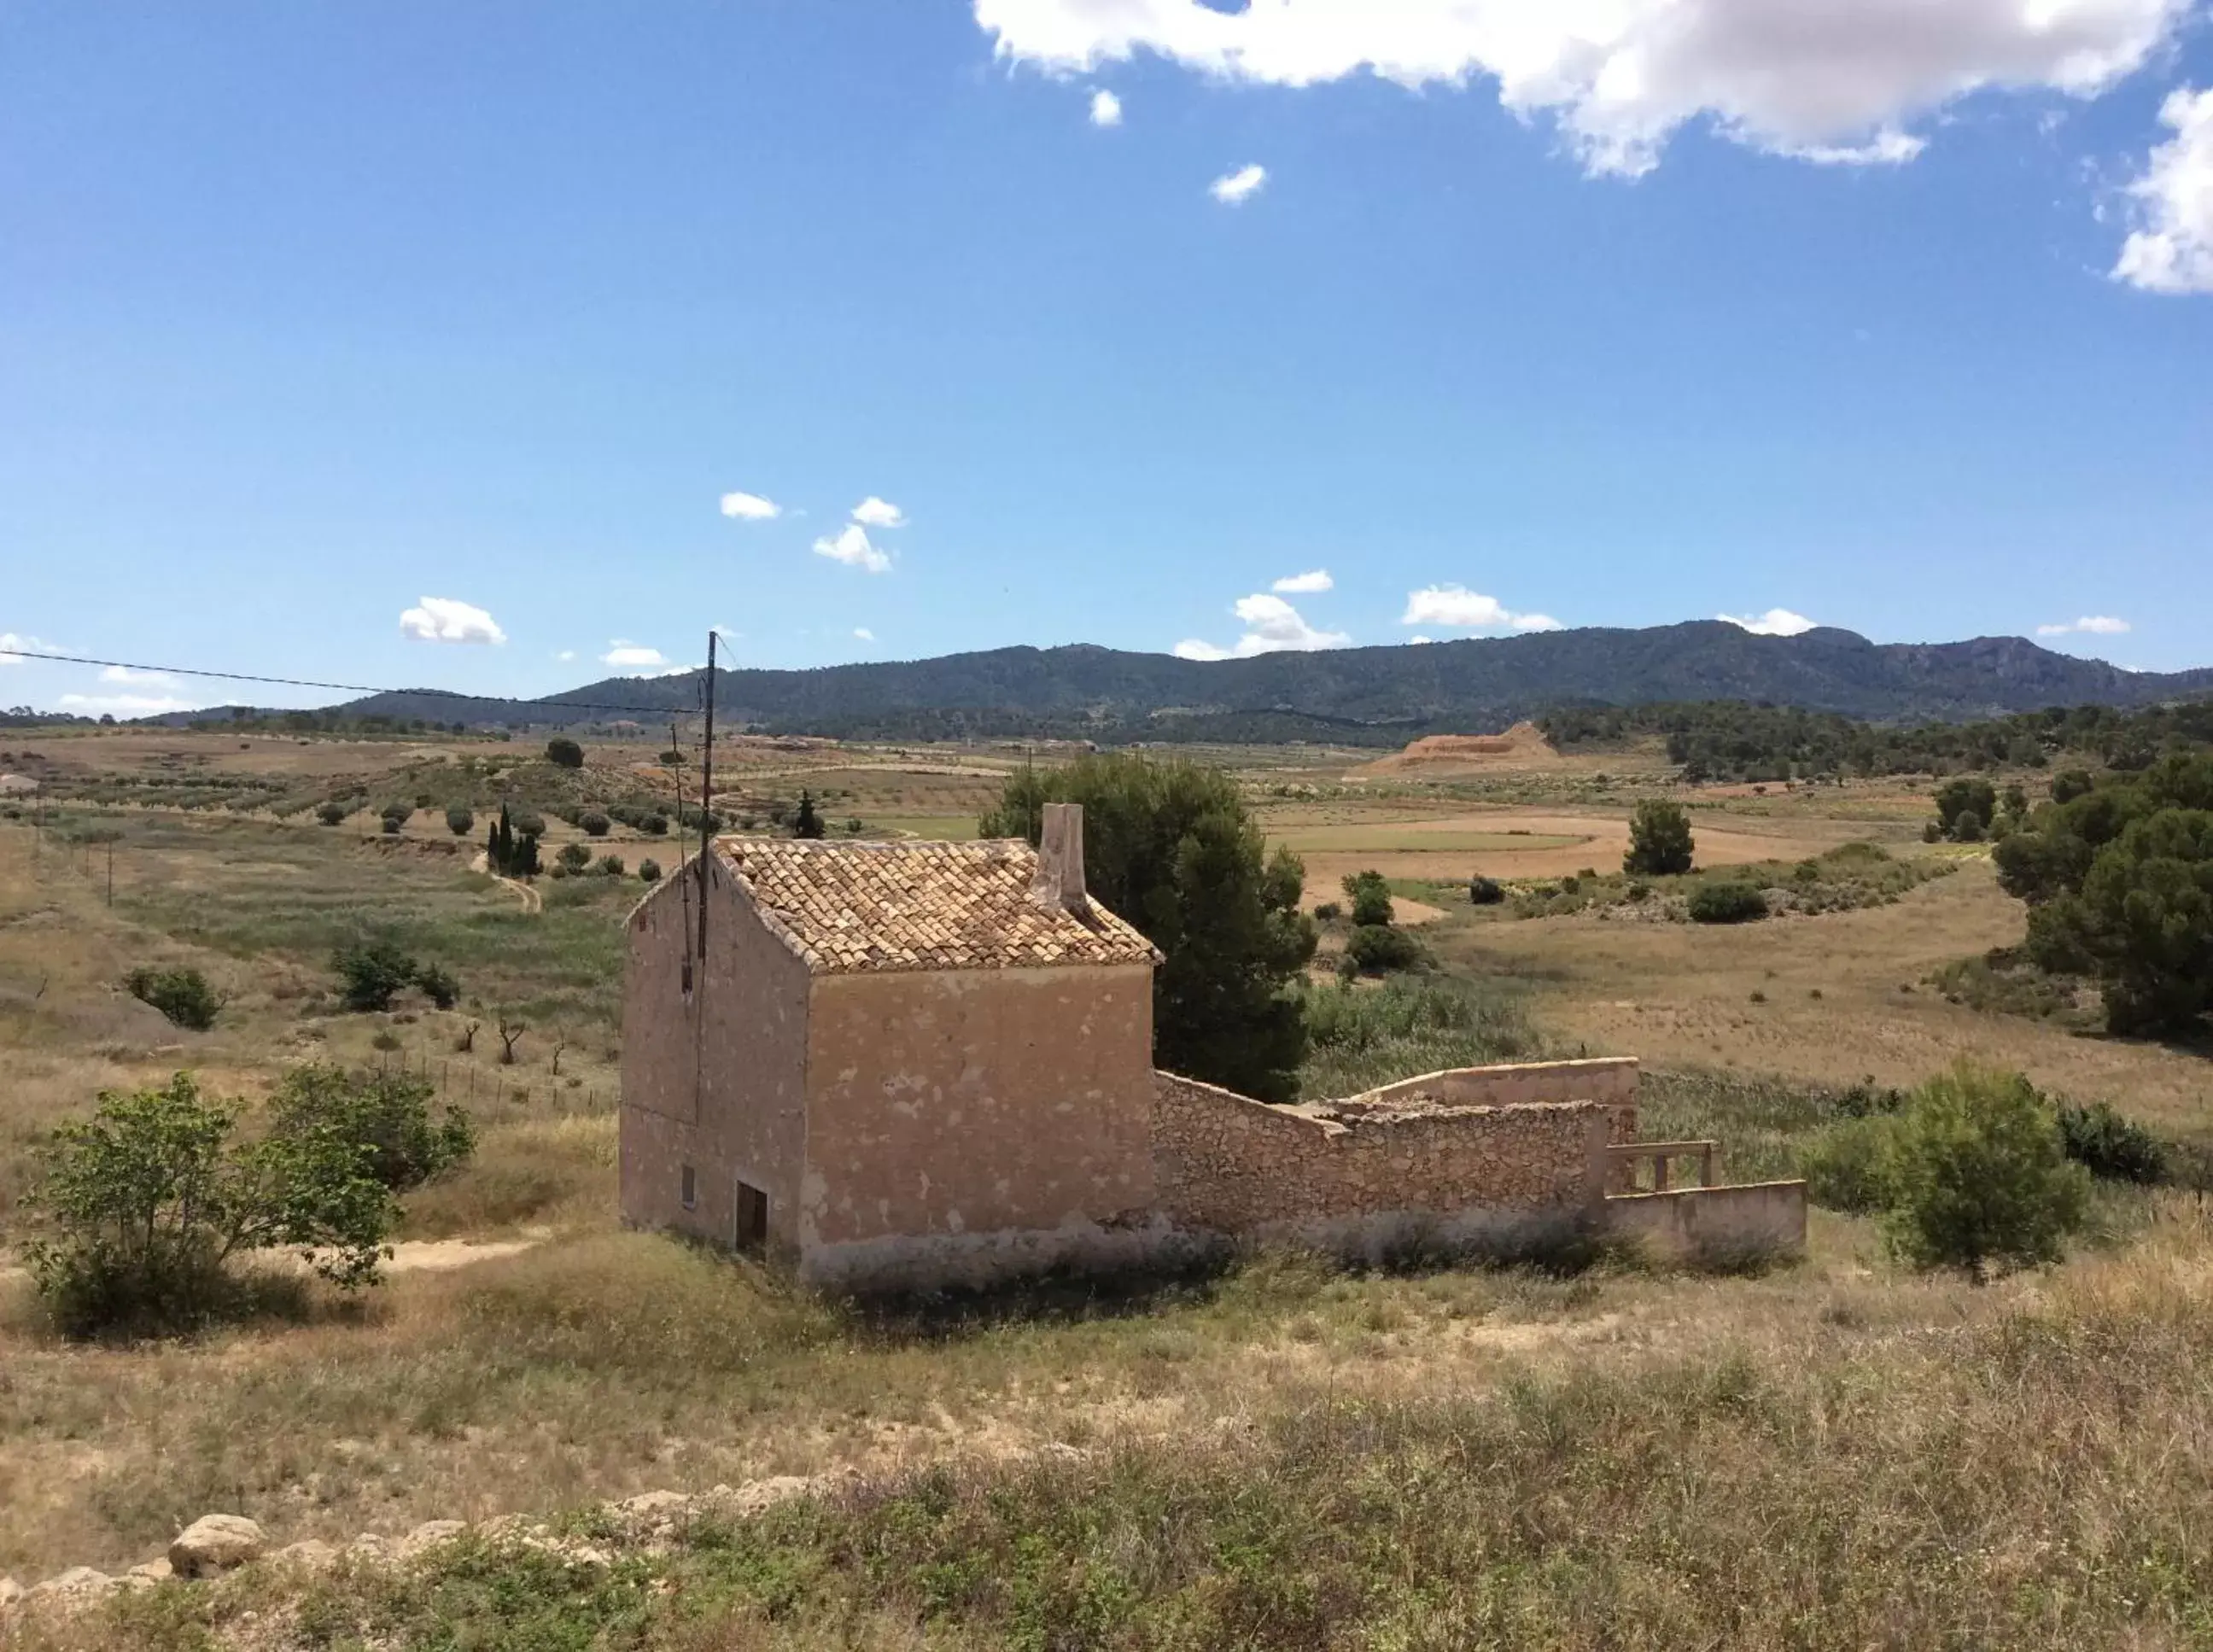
[[898, 1064]]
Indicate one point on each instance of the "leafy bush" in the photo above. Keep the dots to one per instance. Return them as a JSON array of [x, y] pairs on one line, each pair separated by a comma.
[[2111, 1145], [807, 820], [609, 866], [1660, 841], [460, 820], [1377, 949], [1843, 1165], [386, 1113], [182, 995], [654, 826], [1485, 892], [648, 871], [564, 753], [529, 823], [332, 815], [1328, 913], [1977, 1174], [1965, 809], [573, 857], [1727, 903], [144, 1207], [1410, 1024], [436, 983], [371, 973], [396, 815], [1370, 896], [592, 823]]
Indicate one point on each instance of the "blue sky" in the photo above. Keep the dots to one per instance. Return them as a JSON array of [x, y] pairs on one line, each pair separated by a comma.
[[336, 338]]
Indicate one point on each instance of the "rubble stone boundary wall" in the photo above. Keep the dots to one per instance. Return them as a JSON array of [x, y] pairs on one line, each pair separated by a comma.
[[1610, 1079], [1226, 1163]]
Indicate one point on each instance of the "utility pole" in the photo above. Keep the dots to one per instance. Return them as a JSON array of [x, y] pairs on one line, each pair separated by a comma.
[[706, 799]]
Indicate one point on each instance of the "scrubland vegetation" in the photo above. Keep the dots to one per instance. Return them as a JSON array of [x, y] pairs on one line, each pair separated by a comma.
[[1906, 1439]]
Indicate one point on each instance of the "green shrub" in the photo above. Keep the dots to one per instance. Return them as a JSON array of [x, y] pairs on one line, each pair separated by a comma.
[[654, 826], [1975, 1174], [1843, 1165], [371, 973], [396, 815], [1377, 949], [182, 995], [436, 983], [564, 753], [460, 820], [387, 1114], [2110, 1145], [609, 866], [527, 822], [1408, 1025], [1485, 892], [143, 1209], [1328, 913], [592, 823], [1965, 809], [1660, 841], [1727, 903], [573, 857], [807, 820], [332, 815], [648, 871], [1370, 894]]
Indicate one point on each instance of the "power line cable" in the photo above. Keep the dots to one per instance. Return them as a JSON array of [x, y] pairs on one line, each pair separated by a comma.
[[347, 688]]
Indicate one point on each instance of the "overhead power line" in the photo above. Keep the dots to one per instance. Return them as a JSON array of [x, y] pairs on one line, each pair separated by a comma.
[[344, 688]]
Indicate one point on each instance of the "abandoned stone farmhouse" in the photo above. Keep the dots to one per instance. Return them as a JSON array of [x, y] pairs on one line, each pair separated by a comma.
[[910, 1064]]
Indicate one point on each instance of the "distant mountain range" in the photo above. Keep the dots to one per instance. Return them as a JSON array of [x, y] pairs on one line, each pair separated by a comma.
[[1367, 695]]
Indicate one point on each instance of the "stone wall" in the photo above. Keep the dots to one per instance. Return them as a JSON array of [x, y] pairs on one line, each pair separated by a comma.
[[1226, 1163], [1610, 1079], [1716, 1223]]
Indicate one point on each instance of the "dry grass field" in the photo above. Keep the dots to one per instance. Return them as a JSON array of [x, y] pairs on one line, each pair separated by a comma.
[[1278, 1452]]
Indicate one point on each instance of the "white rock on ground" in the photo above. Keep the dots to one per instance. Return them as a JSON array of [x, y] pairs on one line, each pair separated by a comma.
[[215, 1543], [431, 1533], [78, 1582], [307, 1552], [11, 1593]]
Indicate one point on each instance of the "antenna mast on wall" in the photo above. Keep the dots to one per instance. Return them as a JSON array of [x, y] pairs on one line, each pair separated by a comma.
[[706, 797]]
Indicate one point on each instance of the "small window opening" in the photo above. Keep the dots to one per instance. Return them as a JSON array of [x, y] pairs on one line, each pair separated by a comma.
[[751, 1227], [691, 1188]]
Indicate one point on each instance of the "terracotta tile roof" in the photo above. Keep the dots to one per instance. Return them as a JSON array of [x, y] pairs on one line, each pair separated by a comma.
[[851, 907]]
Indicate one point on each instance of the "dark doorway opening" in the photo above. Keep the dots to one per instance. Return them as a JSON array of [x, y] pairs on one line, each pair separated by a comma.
[[751, 1227]]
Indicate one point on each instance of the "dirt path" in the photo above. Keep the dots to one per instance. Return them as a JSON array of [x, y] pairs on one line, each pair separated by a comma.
[[531, 900]]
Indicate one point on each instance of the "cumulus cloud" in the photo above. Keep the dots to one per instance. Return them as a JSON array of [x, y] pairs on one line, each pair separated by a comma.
[[1271, 626], [1106, 109], [565, 655], [1306, 584], [873, 512], [126, 675], [134, 705], [2172, 251], [444, 619], [850, 546], [1776, 622], [12, 648], [1833, 79], [1233, 188], [751, 508], [2092, 625], [864, 633], [1455, 605], [1421, 639], [626, 655]]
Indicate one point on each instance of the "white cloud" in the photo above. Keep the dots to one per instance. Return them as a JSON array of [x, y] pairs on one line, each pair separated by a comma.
[[625, 655], [1271, 626], [851, 548], [873, 512], [1776, 622], [442, 619], [864, 633], [1828, 79], [565, 655], [751, 508], [13, 648], [1455, 605], [1421, 639], [1305, 584], [2094, 624], [126, 675], [1232, 188], [1106, 109], [1888, 148], [136, 705], [2172, 252]]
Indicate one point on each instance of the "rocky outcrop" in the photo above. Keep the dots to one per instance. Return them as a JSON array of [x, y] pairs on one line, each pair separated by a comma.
[[215, 1543]]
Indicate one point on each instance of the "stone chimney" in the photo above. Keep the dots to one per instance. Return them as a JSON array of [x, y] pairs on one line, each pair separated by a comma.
[[1059, 880]]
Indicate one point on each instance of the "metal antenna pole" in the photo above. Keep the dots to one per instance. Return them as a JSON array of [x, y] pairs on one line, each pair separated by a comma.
[[706, 799]]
